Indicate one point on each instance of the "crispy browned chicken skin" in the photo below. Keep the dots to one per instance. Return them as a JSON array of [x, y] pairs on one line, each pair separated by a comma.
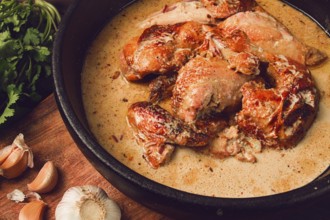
[[158, 131], [161, 49], [280, 116]]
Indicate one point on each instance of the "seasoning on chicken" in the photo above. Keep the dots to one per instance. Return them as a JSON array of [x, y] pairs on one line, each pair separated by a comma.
[[279, 116], [158, 131], [161, 87]]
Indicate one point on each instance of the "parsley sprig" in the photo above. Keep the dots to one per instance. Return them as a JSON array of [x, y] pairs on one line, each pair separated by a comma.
[[27, 31]]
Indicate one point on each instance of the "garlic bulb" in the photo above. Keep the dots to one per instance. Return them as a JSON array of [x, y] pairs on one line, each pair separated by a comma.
[[46, 179], [87, 202], [15, 158]]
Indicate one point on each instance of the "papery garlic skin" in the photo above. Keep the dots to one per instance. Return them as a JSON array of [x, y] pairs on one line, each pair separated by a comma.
[[15, 158], [33, 195], [20, 143], [16, 195], [84, 202]]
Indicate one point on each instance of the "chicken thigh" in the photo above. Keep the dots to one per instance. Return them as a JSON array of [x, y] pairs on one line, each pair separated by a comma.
[[267, 33], [205, 86]]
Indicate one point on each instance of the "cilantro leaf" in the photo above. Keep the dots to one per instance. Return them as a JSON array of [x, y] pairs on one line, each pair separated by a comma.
[[8, 46], [32, 37], [13, 92], [41, 54]]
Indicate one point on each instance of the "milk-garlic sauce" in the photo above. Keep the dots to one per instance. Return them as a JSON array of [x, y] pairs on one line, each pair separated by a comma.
[[107, 96]]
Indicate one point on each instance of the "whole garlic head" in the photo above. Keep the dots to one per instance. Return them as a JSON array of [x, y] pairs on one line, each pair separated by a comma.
[[87, 202]]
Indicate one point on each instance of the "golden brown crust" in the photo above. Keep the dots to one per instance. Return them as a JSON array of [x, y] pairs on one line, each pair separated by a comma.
[[158, 132], [279, 116], [160, 49]]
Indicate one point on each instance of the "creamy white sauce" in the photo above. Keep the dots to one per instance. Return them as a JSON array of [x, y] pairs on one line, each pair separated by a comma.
[[106, 100]]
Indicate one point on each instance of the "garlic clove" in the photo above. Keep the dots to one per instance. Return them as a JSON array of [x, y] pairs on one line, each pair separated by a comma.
[[45, 180], [15, 158], [5, 152], [32, 211], [15, 164], [87, 202]]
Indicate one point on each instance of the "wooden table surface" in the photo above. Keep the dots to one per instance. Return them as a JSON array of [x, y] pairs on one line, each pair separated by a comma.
[[49, 139]]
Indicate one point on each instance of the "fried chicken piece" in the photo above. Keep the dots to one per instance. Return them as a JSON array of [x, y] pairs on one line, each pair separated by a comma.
[[267, 33], [279, 116], [206, 86], [158, 131], [160, 50]]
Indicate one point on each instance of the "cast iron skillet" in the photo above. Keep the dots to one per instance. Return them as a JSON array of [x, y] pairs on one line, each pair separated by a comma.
[[82, 22]]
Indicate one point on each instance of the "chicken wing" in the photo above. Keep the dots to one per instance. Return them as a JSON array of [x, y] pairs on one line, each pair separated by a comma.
[[158, 131]]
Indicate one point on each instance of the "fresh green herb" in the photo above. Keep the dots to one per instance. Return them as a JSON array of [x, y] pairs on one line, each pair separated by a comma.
[[27, 29]]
